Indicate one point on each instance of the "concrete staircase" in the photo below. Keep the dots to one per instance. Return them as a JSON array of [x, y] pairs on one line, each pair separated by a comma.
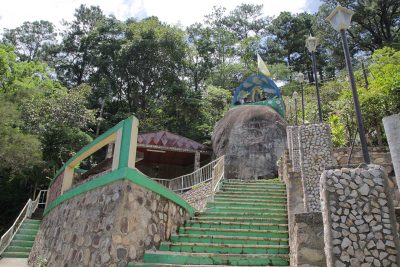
[[22, 243], [244, 225]]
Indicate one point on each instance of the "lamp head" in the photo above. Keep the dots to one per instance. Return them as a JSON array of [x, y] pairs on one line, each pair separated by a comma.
[[300, 77], [311, 43], [295, 94], [340, 18]]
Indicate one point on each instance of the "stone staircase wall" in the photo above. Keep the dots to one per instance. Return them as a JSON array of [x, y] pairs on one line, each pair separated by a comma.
[[112, 224]]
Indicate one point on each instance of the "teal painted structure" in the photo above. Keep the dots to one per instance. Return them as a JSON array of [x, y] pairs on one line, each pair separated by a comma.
[[259, 90]]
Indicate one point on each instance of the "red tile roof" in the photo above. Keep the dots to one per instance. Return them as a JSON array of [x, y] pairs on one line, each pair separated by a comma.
[[167, 139]]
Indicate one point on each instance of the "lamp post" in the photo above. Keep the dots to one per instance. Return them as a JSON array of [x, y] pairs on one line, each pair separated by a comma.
[[311, 44], [340, 19], [295, 94], [300, 79]]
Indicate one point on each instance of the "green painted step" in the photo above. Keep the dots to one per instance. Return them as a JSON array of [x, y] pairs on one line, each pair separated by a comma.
[[245, 205], [227, 219], [17, 249], [258, 185], [241, 183], [253, 189], [15, 255], [24, 237], [266, 215], [27, 226], [183, 265], [32, 221], [249, 200], [252, 194], [221, 239], [223, 248], [21, 243], [236, 225], [27, 232], [215, 259], [246, 210], [236, 196], [234, 232]]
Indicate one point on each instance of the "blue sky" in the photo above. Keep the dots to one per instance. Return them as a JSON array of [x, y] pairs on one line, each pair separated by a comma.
[[183, 12]]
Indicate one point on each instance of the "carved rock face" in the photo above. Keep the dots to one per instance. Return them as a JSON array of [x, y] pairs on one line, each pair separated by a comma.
[[252, 138]]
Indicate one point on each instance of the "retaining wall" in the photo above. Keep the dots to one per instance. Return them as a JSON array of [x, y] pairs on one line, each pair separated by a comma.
[[106, 226]]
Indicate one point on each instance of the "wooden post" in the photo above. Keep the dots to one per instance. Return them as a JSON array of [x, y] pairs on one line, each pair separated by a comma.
[[196, 160]]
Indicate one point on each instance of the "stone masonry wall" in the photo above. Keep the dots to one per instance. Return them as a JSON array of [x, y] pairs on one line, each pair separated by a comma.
[[107, 226], [198, 196], [307, 240], [359, 219], [316, 156], [55, 189], [379, 155]]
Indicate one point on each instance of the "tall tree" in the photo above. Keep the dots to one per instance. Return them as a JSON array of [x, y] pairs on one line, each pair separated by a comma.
[[77, 48], [32, 40]]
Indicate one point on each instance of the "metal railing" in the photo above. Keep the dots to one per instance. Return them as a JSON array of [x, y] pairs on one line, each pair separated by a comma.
[[213, 171], [26, 212]]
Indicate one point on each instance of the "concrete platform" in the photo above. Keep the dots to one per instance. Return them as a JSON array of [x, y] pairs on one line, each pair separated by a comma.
[[13, 262]]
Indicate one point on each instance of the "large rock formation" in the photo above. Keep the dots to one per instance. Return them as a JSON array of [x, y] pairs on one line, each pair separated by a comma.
[[252, 138]]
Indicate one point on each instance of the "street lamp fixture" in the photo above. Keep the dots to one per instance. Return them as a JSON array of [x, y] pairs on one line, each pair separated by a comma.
[[340, 19], [295, 95], [300, 79], [311, 44]]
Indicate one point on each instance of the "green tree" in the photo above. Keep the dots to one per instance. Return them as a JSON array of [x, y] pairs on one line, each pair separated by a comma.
[[32, 40]]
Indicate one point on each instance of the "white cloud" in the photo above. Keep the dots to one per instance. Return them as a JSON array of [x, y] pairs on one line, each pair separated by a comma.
[[186, 12]]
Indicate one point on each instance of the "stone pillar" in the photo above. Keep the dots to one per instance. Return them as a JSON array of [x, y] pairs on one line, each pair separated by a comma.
[[196, 160], [359, 219], [295, 149], [315, 156], [392, 129]]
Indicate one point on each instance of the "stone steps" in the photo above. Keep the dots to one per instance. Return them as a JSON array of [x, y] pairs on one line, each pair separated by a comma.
[[247, 214], [245, 205], [215, 259], [186, 265], [234, 232], [245, 209], [244, 219], [22, 243], [253, 189], [246, 224], [237, 225], [241, 196], [223, 239], [224, 248]]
